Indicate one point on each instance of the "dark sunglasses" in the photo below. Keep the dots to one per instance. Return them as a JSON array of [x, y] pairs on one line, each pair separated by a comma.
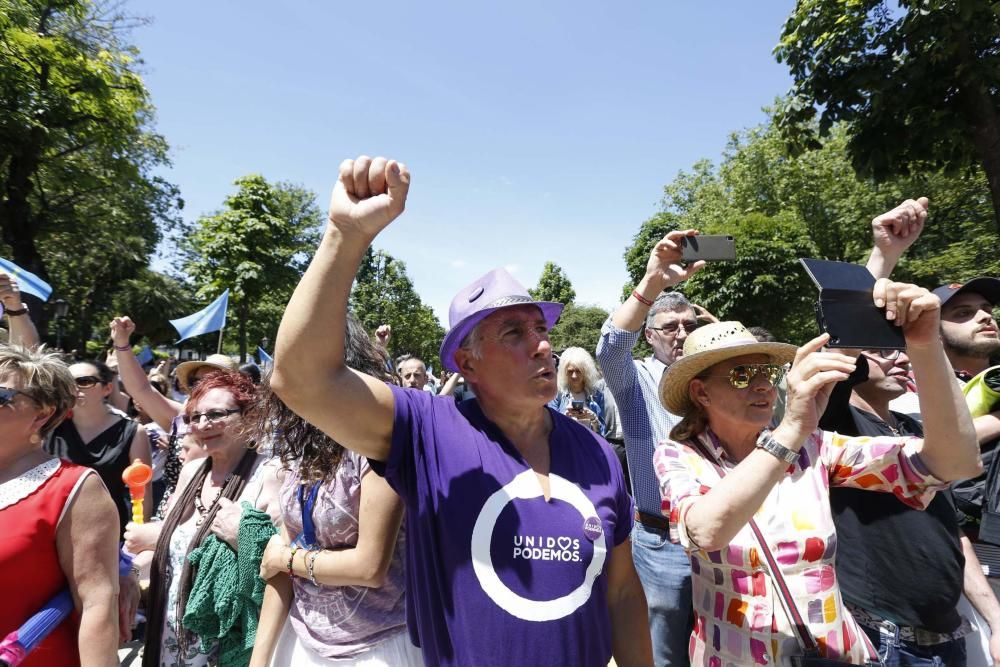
[[7, 395], [86, 381], [212, 416], [741, 376]]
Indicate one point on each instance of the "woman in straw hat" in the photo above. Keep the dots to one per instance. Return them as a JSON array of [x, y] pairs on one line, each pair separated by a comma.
[[740, 496]]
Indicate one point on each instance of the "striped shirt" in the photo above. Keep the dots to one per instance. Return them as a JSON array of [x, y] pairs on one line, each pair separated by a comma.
[[643, 419]]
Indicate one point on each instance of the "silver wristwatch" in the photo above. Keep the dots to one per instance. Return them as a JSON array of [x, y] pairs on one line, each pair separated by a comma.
[[776, 449]]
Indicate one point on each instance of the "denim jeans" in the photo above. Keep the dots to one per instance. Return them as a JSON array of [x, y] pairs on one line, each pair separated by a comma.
[[895, 652], [665, 572]]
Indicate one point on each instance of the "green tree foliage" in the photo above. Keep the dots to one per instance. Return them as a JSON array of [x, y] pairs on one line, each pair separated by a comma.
[[383, 294], [151, 299], [553, 285], [258, 246], [917, 83], [79, 202], [579, 326], [781, 207]]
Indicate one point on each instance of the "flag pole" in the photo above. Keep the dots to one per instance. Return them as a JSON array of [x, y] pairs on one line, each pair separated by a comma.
[[219, 349]]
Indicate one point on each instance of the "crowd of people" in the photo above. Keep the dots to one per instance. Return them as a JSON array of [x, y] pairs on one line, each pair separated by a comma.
[[729, 500]]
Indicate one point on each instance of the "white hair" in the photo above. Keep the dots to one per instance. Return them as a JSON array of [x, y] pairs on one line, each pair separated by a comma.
[[581, 359]]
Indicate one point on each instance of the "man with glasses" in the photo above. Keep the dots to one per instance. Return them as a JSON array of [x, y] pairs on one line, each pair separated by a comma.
[[663, 567], [913, 618], [902, 571]]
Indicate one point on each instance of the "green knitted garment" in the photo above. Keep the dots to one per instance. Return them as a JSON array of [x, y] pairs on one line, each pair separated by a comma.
[[227, 592]]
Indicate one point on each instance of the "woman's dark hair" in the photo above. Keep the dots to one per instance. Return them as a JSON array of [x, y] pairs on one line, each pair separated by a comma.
[[295, 439], [104, 374], [253, 370]]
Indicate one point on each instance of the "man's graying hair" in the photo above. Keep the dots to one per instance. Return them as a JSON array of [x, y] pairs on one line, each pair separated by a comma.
[[473, 341], [667, 303]]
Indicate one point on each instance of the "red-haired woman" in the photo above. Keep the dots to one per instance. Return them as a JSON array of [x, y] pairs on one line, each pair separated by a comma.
[[207, 501]]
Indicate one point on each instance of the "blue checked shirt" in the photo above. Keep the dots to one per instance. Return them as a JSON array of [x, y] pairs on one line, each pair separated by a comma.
[[644, 420]]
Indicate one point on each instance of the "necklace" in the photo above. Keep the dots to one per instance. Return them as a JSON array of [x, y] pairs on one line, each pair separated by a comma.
[[200, 506]]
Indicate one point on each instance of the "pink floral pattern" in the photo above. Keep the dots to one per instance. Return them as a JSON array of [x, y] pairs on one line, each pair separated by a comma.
[[738, 615]]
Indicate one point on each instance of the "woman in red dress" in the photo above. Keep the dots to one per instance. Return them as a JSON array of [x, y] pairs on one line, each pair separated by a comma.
[[60, 526]]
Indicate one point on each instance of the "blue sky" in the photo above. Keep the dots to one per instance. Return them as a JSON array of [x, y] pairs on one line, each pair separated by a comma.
[[534, 131]]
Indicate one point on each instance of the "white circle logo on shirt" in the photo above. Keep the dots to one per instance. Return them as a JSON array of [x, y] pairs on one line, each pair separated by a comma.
[[524, 487]]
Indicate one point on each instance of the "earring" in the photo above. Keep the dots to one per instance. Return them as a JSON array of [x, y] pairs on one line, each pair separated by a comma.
[[35, 438]]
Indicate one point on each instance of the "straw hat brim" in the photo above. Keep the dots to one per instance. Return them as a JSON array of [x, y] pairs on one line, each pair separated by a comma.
[[184, 370], [677, 377]]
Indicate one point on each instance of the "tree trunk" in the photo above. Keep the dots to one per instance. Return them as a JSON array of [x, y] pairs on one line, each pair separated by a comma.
[[15, 213], [986, 137], [981, 113]]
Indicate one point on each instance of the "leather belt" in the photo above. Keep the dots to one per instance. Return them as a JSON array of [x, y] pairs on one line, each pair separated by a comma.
[[652, 521], [907, 633]]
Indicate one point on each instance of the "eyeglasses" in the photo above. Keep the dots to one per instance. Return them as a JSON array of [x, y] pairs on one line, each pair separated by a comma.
[[86, 381], [211, 415], [672, 328], [741, 376], [7, 395], [888, 355]]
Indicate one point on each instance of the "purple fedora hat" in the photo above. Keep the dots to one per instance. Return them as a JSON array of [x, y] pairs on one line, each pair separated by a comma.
[[484, 296]]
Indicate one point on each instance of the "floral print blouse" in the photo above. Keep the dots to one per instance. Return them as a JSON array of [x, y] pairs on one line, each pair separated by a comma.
[[739, 619]]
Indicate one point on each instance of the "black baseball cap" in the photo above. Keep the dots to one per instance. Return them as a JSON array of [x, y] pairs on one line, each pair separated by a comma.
[[989, 288]]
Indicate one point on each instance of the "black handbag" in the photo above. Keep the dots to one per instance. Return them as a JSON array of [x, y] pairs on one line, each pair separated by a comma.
[[811, 655]]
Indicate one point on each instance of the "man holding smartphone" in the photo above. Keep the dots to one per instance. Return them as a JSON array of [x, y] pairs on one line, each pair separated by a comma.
[[664, 568]]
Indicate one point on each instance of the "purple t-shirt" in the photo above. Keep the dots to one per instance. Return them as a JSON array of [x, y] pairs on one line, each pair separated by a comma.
[[495, 575]]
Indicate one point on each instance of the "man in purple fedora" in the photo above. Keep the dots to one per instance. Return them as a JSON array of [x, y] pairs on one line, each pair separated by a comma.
[[517, 517]]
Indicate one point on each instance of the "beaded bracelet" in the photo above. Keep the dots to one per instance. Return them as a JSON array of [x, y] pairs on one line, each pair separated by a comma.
[[311, 565], [641, 298], [291, 559]]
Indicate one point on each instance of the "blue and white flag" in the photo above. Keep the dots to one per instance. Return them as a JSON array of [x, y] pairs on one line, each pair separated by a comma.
[[145, 355], [27, 281], [211, 318], [263, 358]]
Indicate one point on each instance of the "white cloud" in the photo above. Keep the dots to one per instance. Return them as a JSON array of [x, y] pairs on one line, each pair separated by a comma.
[[512, 268], [458, 263]]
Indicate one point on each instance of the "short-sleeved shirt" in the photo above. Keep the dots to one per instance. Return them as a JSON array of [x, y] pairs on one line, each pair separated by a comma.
[[495, 574], [738, 615], [341, 621], [877, 532]]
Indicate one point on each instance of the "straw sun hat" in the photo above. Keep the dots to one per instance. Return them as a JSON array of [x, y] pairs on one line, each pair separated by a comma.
[[707, 346], [213, 362]]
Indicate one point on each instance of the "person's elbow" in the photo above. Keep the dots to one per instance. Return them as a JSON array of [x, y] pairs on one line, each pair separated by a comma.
[[962, 460], [280, 382], [290, 386], [969, 467], [705, 532], [708, 541], [373, 572]]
